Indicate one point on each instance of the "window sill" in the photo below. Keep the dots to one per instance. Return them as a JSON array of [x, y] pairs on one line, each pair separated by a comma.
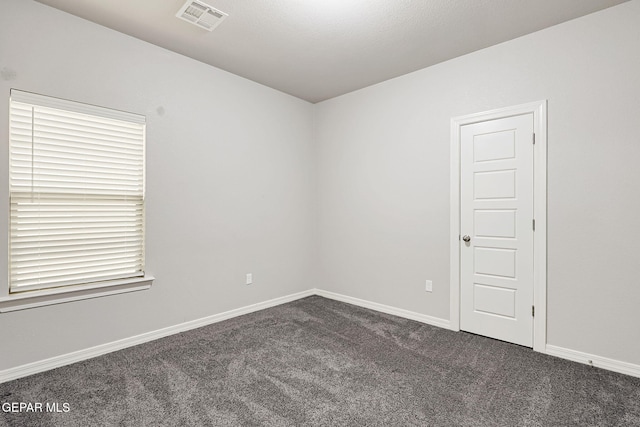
[[32, 299]]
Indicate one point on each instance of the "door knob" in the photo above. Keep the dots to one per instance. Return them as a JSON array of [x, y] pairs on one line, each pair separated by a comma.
[[466, 238]]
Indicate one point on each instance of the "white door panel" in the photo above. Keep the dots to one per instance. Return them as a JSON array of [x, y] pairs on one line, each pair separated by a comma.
[[495, 223], [496, 208], [494, 261], [497, 184], [494, 300], [494, 146]]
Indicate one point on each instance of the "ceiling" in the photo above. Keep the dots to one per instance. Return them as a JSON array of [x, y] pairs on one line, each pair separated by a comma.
[[319, 49]]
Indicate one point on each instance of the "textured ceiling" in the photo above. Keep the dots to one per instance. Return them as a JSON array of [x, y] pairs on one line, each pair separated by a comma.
[[318, 49]]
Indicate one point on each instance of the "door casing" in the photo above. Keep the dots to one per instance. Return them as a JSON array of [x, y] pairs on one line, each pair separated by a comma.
[[539, 110]]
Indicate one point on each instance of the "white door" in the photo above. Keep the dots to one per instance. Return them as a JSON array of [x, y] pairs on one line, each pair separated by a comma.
[[496, 217]]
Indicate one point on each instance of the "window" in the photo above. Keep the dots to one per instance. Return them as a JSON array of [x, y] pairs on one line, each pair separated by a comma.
[[76, 179]]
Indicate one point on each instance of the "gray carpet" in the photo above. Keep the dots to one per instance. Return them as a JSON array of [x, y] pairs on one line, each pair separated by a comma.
[[320, 362]]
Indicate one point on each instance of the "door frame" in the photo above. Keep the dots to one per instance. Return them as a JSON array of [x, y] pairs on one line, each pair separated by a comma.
[[539, 110]]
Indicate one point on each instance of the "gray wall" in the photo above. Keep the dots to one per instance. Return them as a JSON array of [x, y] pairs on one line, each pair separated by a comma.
[[383, 163], [229, 179]]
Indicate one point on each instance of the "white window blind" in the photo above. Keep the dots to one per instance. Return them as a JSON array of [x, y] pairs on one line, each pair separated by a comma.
[[76, 179]]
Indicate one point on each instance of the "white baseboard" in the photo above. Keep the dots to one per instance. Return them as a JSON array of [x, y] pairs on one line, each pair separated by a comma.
[[593, 360], [88, 353], [423, 318]]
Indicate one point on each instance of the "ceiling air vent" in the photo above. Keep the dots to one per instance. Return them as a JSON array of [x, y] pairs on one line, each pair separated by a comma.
[[201, 14]]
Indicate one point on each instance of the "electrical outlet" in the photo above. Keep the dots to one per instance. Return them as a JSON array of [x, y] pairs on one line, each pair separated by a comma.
[[428, 286], [249, 279]]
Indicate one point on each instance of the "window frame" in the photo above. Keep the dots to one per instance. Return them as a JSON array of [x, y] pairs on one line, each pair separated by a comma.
[[25, 299]]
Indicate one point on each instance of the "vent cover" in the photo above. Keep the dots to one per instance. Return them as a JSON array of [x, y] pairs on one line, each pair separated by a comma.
[[201, 14]]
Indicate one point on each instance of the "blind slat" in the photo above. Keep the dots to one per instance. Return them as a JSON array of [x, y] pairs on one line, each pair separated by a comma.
[[58, 137], [27, 256], [22, 163], [45, 151], [72, 270], [61, 245], [85, 261]]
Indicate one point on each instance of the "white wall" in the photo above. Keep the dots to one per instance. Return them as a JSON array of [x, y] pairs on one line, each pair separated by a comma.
[[229, 179], [383, 164]]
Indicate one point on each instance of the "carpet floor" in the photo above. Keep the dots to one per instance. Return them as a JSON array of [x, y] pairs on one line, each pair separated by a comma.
[[320, 362]]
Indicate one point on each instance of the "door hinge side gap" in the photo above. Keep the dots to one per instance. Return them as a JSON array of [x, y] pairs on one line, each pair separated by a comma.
[[533, 224], [533, 311], [534, 139]]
